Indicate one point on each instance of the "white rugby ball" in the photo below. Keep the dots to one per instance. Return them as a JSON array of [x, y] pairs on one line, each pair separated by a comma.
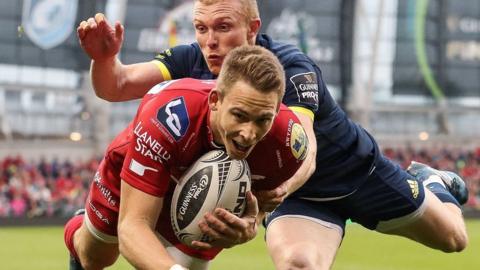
[[214, 180]]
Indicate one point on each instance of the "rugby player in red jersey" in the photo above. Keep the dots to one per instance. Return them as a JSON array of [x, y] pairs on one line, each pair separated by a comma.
[[176, 123]]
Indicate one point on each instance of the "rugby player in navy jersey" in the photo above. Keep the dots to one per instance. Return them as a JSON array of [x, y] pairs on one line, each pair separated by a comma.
[[344, 176]]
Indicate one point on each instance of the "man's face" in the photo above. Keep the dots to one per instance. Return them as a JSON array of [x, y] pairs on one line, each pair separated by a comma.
[[219, 28], [244, 117]]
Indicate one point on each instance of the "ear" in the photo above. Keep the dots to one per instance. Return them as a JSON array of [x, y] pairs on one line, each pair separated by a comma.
[[214, 99], [253, 30]]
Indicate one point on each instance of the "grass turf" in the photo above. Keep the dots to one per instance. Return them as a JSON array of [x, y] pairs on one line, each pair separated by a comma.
[[23, 248]]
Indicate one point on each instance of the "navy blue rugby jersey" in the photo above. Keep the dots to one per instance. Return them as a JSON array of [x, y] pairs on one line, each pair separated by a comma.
[[346, 152]]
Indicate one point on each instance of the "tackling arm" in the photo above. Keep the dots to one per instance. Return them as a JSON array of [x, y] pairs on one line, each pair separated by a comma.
[[268, 200], [309, 164], [137, 240], [112, 80]]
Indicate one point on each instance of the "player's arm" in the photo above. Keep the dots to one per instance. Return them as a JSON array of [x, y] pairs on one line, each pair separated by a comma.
[[309, 164], [112, 80], [268, 200], [303, 104], [304, 94], [137, 240], [145, 181]]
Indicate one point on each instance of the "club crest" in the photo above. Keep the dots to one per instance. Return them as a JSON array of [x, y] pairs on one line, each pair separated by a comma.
[[48, 23]]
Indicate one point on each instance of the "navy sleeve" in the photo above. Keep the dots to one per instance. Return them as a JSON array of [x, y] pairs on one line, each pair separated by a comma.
[[304, 84], [179, 60]]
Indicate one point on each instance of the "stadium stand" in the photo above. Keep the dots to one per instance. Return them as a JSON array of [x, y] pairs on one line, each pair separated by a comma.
[[57, 188], [43, 188]]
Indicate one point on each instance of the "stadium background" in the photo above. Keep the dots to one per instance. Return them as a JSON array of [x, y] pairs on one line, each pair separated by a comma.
[[406, 70]]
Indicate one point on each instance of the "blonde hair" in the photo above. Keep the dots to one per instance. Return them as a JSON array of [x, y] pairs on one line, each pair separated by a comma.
[[255, 66], [249, 8]]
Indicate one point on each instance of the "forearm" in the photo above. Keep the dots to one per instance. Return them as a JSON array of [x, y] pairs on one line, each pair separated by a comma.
[[309, 164], [138, 242], [141, 247], [114, 81], [304, 172], [106, 78]]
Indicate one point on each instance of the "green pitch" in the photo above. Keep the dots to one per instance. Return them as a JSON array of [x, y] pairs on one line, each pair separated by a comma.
[[42, 248]]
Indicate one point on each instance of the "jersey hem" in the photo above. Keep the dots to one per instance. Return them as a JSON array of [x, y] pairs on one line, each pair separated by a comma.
[[303, 111]]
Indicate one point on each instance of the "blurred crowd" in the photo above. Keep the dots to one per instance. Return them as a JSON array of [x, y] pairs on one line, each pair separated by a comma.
[[59, 187], [44, 188]]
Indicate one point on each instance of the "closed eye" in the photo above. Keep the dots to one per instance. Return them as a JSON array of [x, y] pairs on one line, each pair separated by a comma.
[[264, 121], [239, 116]]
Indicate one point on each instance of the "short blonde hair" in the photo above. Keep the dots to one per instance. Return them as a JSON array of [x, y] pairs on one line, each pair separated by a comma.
[[255, 66], [249, 7]]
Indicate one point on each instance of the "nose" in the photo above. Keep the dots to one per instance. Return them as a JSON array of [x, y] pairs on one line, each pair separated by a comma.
[[212, 41], [249, 133]]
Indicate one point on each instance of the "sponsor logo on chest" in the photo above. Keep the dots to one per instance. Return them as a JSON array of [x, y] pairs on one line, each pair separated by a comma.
[[149, 146]]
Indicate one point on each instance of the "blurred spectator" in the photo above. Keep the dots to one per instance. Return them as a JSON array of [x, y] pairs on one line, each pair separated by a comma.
[[43, 188], [18, 204], [58, 188]]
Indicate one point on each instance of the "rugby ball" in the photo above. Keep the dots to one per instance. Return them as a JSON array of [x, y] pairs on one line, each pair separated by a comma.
[[214, 180]]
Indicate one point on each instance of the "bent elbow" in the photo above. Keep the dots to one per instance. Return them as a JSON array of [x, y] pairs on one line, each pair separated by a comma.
[[122, 234], [106, 95]]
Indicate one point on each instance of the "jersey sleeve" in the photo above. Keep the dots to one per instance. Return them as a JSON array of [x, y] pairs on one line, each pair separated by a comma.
[[304, 86], [149, 152], [176, 62]]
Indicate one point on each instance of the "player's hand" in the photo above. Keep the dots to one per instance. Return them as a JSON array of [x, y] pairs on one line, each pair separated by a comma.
[[98, 39], [227, 230], [268, 200]]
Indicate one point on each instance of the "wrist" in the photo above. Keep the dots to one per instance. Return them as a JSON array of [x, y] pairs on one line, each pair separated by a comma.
[[105, 60]]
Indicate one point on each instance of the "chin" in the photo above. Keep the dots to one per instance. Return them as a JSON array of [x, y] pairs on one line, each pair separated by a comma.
[[236, 156], [233, 156], [215, 70]]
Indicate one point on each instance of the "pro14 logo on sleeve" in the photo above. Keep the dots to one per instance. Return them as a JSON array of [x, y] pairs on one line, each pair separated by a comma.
[[174, 117], [307, 87]]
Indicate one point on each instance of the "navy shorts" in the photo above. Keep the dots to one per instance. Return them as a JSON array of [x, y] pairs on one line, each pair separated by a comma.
[[389, 194]]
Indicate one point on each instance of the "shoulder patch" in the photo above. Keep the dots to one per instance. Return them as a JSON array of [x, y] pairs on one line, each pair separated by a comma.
[[174, 117], [306, 86], [298, 142]]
